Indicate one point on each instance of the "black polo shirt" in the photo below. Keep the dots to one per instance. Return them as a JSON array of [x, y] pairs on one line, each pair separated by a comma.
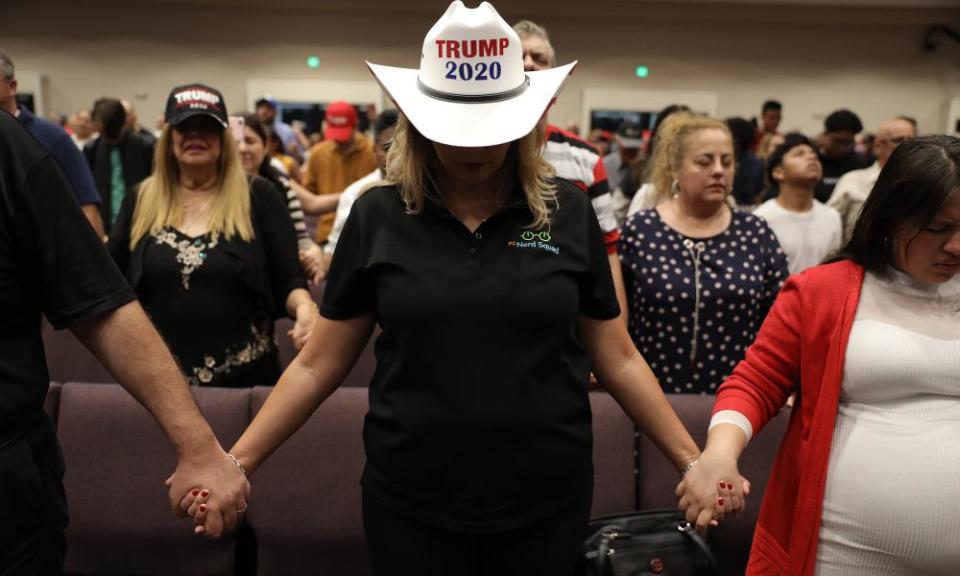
[[51, 262], [479, 416]]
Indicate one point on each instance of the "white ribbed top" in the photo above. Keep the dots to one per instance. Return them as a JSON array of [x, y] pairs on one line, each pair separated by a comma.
[[892, 499]]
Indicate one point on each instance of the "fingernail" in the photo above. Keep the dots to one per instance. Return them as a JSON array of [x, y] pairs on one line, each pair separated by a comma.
[[719, 502], [204, 493], [198, 530], [203, 507], [195, 492]]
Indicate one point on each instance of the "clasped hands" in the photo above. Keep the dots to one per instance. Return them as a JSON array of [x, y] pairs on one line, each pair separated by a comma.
[[712, 489], [215, 492], [211, 490]]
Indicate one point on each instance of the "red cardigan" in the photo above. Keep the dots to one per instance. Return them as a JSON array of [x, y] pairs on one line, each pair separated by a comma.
[[800, 348]]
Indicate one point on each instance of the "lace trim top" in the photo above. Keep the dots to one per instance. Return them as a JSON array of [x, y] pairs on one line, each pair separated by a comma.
[[191, 253]]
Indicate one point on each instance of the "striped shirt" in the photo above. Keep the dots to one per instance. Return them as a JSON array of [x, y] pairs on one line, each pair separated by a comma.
[[578, 161]]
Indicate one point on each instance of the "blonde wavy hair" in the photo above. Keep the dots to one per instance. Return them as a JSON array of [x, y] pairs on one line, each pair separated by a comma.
[[413, 167], [671, 147], [159, 206]]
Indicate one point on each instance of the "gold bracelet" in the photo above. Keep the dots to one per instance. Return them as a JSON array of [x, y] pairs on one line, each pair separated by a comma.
[[239, 465]]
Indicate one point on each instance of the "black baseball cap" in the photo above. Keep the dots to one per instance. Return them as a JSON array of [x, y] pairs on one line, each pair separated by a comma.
[[630, 135], [196, 99]]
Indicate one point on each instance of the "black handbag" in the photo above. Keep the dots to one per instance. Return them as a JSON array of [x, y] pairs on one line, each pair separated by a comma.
[[653, 542]]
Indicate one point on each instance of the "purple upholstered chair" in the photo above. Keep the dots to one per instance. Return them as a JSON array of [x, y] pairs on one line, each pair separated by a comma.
[[117, 459], [306, 507], [658, 479]]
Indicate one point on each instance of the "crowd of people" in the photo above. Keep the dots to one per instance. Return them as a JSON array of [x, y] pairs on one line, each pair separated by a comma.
[[686, 257]]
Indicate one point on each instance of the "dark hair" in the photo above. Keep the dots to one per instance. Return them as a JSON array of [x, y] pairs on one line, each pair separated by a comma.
[[386, 119], [790, 141], [772, 105], [914, 184], [843, 120], [109, 113], [253, 121], [744, 134]]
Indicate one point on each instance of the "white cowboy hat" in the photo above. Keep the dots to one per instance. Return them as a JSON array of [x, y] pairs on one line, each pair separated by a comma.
[[471, 89]]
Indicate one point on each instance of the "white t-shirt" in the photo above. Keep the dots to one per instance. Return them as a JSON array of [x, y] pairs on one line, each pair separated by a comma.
[[806, 237], [344, 204]]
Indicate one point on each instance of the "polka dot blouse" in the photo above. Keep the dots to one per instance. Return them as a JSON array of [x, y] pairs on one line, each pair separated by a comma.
[[697, 303]]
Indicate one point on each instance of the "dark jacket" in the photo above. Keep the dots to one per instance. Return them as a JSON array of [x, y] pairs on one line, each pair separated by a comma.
[[136, 155], [269, 264]]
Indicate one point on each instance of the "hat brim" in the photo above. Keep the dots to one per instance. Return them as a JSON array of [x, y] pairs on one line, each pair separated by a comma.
[[471, 124], [182, 116]]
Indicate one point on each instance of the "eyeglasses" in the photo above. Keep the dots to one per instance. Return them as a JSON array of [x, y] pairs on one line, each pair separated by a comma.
[[530, 235]]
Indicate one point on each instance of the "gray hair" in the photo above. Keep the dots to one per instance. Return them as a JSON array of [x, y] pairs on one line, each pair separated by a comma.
[[6, 66], [526, 28]]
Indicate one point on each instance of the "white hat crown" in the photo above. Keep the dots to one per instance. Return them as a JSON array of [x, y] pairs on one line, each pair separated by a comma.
[[471, 53]]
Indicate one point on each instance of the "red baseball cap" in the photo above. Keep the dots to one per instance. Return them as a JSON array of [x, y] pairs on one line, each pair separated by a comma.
[[340, 121]]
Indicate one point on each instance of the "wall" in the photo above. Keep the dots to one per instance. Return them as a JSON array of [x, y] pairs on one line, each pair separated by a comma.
[[813, 58]]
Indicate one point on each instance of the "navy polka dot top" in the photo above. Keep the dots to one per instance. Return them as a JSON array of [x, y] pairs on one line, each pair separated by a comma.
[[697, 303]]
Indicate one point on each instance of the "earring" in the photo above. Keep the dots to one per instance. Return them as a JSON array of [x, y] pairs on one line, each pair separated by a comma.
[[675, 188]]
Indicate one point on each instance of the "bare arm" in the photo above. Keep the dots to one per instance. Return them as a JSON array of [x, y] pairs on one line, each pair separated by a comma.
[[628, 378], [314, 374], [618, 286], [315, 203], [302, 308], [92, 212], [129, 347]]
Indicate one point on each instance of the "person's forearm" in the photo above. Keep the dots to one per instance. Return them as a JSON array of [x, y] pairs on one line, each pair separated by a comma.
[[313, 203], [130, 348], [312, 376], [92, 212], [726, 440], [300, 302], [631, 382], [618, 286]]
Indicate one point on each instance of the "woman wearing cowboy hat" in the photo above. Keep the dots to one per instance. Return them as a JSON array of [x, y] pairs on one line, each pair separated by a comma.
[[490, 281]]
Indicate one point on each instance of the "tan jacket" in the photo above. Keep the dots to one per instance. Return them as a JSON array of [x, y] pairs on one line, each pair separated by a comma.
[[330, 172]]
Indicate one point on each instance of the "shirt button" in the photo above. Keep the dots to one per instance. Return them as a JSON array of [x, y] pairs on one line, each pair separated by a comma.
[[473, 250], [478, 235]]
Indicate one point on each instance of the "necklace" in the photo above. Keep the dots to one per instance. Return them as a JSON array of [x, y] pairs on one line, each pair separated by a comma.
[[696, 251], [194, 214]]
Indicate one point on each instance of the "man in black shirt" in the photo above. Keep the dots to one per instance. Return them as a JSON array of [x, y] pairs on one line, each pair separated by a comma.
[[837, 150], [52, 263]]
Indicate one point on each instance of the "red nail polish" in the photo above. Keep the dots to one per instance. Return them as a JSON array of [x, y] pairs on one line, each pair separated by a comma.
[[719, 501], [195, 492], [204, 493], [203, 507]]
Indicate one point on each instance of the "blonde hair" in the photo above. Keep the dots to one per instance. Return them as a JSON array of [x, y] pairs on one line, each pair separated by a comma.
[[413, 167], [158, 204], [671, 146]]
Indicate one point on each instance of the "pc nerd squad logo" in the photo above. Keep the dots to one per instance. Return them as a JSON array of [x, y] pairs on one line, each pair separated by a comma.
[[538, 240]]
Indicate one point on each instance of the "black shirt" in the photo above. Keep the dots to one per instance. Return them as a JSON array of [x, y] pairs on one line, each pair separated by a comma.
[[51, 262], [833, 169], [479, 416], [214, 299]]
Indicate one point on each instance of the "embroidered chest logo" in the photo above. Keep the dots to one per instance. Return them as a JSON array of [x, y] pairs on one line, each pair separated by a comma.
[[531, 239]]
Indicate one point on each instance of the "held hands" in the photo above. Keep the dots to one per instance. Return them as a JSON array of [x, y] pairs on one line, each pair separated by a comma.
[[306, 319], [313, 264], [218, 482], [711, 489]]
